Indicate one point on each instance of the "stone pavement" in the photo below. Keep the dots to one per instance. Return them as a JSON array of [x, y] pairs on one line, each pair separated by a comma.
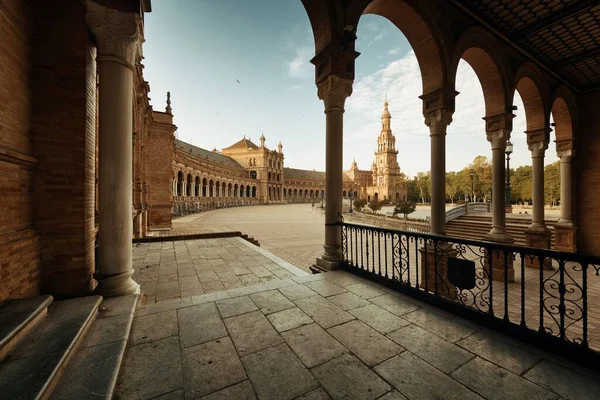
[[293, 232], [331, 335], [177, 269]]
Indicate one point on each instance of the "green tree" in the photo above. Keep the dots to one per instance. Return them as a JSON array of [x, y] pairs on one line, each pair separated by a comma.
[[423, 186], [405, 208], [552, 183], [521, 183], [359, 204], [375, 206], [412, 190], [452, 185]]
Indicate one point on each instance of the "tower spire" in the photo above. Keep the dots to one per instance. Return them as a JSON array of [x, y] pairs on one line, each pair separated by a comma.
[[168, 109], [262, 140]]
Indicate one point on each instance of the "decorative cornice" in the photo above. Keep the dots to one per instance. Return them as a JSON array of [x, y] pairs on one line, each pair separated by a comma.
[[117, 34], [499, 122], [334, 91]]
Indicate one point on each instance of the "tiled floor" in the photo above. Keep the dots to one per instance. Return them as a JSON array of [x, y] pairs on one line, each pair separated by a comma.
[[331, 335], [178, 269], [293, 232]]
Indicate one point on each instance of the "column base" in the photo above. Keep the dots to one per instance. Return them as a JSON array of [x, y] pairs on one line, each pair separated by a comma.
[[565, 238], [322, 265], [498, 257], [540, 239], [428, 269], [116, 285]]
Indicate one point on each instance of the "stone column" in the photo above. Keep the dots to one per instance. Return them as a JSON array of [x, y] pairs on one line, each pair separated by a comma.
[[498, 233], [565, 187], [333, 91], [119, 43], [537, 234], [438, 122], [565, 231]]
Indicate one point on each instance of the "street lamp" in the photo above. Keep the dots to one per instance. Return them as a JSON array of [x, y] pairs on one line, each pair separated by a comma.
[[508, 151], [351, 196], [472, 174]]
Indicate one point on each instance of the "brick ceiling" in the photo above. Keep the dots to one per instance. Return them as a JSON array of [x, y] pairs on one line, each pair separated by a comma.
[[564, 35]]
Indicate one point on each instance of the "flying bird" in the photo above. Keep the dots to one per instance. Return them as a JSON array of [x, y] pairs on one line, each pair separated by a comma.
[[238, 81], [218, 114]]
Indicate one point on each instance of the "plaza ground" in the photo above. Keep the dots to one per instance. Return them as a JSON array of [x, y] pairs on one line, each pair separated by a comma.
[[327, 336], [293, 232]]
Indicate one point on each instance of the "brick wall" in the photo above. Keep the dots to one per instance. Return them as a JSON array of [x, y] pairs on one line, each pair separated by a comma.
[[586, 175], [19, 240], [159, 157], [64, 104]]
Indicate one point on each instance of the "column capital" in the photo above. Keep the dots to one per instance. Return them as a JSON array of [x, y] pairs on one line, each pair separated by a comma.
[[563, 144], [498, 138], [537, 149], [334, 90], [565, 155], [438, 121], [117, 33]]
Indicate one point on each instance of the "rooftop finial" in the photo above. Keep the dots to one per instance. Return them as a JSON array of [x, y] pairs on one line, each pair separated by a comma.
[[168, 108]]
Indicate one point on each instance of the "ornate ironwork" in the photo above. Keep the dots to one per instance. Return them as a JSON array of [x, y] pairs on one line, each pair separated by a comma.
[[546, 294]]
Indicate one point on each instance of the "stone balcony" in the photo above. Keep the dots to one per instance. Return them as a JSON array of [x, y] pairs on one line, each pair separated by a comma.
[[298, 336]]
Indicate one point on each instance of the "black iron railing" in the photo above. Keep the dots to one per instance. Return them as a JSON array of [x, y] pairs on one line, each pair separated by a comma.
[[546, 297]]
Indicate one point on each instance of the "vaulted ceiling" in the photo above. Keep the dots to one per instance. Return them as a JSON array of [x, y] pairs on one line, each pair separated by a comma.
[[564, 35]]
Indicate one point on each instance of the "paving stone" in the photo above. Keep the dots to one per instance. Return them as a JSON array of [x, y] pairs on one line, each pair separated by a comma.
[[153, 327], [260, 271], [150, 370], [175, 395], [251, 332], [289, 319], [393, 395], [120, 305], [108, 329], [313, 345], [167, 290], [317, 394], [210, 367], [250, 279], [207, 276], [345, 377], [348, 301], [418, 380], [394, 304], [271, 301], [438, 325], [325, 288], [279, 283], [494, 382], [443, 355], [309, 278], [241, 391], [210, 297], [277, 374], [244, 291], [199, 324], [343, 278], [235, 306], [297, 292], [563, 381], [210, 287], [379, 319], [188, 282], [323, 312], [365, 291], [499, 352], [192, 292], [164, 306], [368, 344]]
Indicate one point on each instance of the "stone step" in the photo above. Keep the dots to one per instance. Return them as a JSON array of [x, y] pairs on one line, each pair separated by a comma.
[[33, 368], [93, 371], [17, 318]]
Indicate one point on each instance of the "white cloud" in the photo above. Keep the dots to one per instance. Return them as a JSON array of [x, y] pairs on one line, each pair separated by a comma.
[[394, 52], [401, 81], [300, 66], [295, 87]]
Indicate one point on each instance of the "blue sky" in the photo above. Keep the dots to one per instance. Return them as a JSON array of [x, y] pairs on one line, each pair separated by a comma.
[[198, 48]]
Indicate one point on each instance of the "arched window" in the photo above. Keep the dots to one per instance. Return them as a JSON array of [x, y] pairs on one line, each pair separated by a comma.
[[247, 191], [269, 176], [253, 191], [253, 174]]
